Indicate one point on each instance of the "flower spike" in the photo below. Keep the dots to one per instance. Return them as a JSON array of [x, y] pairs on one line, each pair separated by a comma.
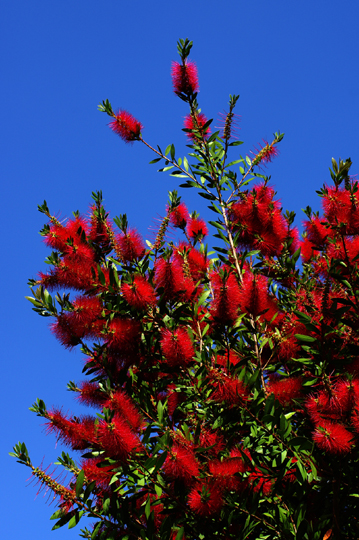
[[126, 126]]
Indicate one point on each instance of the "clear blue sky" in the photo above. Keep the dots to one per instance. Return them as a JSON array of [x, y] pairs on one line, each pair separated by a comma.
[[295, 65]]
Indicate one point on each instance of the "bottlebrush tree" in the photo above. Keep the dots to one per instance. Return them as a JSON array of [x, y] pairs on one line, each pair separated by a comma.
[[224, 386]]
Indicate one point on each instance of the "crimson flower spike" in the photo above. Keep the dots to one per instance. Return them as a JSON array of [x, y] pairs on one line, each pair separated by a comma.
[[124, 124], [184, 74], [185, 77]]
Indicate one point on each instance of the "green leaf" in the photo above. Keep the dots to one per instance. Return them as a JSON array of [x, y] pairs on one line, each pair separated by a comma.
[[89, 490], [207, 196], [234, 162], [33, 301], [65, 519], [56, 515], [307, 339], [106, 505], [101, 276], [80, 483], [160, 412], [95, 531], [300, 443], [75, 519], [180, 534], [235, 143], [203, 297], [148, 508]]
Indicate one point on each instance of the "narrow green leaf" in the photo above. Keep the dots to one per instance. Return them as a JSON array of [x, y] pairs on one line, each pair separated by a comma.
[[75, 519], [307, 339], [56, 515], [33, 301], [180, 534], [80, 483]]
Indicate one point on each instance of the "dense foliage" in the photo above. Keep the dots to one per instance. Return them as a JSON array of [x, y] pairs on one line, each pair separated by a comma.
[[225, 385]]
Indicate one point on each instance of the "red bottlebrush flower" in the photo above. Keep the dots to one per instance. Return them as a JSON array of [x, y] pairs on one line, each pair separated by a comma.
[[101, 475], [224, 472], [352, 248], [322, 407], [71, 327], [179, 216], [123, 335], [333, 406], [73, 231], [169, 276], [90, 394], [205, 498], [197, 261], [64, 332], [341, 209], [198, 264], [265, 153], [181, 464], [122, 404], [258, 219], [228, 389], [254, 298], [317, 406], [317, 232], [139, 294], [285, 390], [345, 395], [226, 298], [197, 228], [74, 271], [86, 310], [355, 419], [177, 347], [196, 126], [210, 438], [126, 126], [130, 246], [174, 399], [337, 205], [185, 77], [117, 439], [230, 359], [79, 435], [333, 438], [307, 250]]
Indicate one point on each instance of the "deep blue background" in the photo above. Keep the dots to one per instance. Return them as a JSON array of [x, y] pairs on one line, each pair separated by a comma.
[[295, 65]]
